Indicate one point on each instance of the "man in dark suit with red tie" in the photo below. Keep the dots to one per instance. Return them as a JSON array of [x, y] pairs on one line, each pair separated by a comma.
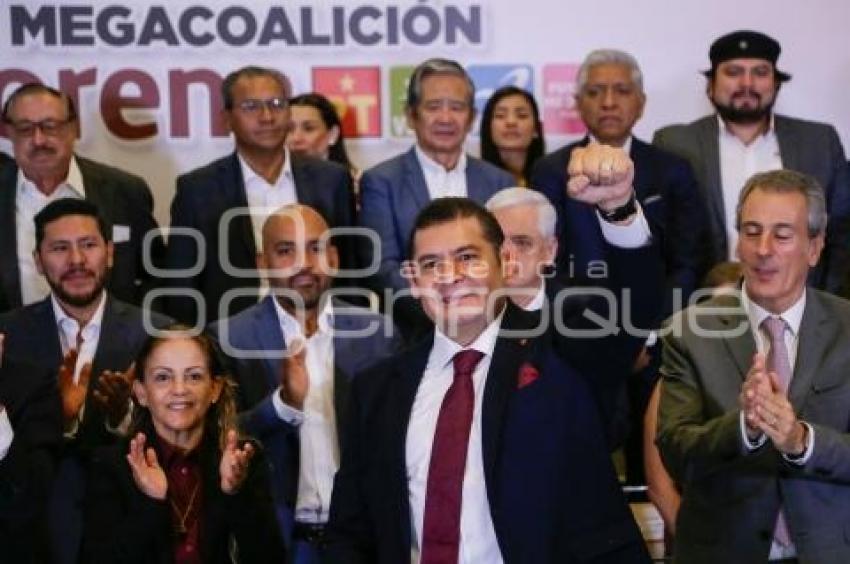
[[482, 443]]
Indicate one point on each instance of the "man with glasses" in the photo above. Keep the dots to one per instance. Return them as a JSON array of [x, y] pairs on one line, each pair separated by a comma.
[[224, 204], [42, 124]]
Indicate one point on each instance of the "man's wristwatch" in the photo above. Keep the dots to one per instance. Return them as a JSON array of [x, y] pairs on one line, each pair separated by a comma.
[[619, 214]]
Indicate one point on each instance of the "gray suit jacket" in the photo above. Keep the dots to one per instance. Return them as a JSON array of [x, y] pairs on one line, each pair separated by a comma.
[[123, 199], [731, 497], [806, 146]]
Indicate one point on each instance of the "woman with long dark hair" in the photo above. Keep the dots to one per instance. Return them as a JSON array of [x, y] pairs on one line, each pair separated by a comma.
[[511, 132], [316, 131], [182, 487]]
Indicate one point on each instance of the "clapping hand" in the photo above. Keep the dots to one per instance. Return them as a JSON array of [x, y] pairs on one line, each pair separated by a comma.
[[147, 473], [73, 393], [234, 463], [112, 394]]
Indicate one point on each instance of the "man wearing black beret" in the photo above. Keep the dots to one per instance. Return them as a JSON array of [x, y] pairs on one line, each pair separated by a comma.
[[745, 137]]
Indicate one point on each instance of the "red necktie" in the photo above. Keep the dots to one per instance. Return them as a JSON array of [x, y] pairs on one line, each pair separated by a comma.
[[441, 529]]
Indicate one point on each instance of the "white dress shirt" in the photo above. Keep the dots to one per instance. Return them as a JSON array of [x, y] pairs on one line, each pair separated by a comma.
[[793, 316], [316, 424], [738, 162], [443, 183], [6, 433], [536, 303], [264, 198], [29, 200], [69, 330], [478, 542]]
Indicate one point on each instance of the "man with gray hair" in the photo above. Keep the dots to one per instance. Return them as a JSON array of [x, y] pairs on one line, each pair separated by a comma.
[[440, 111], [754, 403], [610, 99], [527, 219]]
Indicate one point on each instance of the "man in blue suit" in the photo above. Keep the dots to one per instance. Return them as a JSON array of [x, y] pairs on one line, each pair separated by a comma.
[[440, 110], [610, 99], [293, 355], [482, 443]]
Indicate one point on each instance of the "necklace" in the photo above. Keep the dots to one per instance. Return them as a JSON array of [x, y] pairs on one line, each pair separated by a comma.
[[184, 515]]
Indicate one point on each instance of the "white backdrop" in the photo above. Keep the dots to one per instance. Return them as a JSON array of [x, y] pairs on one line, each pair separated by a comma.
[[670, 39]]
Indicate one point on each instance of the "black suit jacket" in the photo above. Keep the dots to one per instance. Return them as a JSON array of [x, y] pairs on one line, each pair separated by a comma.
[[32, 333], [124, 526], [122, 199], [671, 201], [31, 398], [202, 198]]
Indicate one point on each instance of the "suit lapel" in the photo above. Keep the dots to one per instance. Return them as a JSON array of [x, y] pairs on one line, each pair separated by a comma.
[[46, 330], [741, 347], [642, 169], [787, 138], [710, 149], [232, 183], [113, 346], [9, 273], [269, 335], [414, 180], [98, 191], [400, 400], [476, 188], [817, 335], [303, 180], [508, 355]]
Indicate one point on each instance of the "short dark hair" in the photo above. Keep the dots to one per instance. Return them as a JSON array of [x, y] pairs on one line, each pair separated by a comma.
[[38, 88], [432, 67], [489, 151], [330, 118], [445, 210], [251, 71], [64, 207]]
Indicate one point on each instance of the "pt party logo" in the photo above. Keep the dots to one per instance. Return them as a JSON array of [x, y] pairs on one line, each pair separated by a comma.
[[356, 94]]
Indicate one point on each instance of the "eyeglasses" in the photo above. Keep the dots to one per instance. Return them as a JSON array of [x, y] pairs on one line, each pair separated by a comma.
[[254, 106], [49, 127]]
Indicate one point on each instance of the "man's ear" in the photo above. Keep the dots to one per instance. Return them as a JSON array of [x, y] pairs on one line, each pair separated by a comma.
[[332, 257], [410, 115], [408, 272], [225, 117], [816, 245], [110, 253], [551, 249], [38, 265]]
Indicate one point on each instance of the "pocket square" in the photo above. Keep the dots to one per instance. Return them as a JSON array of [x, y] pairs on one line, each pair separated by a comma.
[[527, 375]]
